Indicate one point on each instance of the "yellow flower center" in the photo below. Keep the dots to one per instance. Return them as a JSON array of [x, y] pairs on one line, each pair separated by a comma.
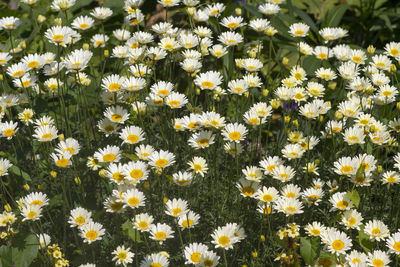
[[174, 103], [114, 87], [375, 231], [91, 235], [396, 246], [187, 223], [203, 142], [136, 174], [118, 176], [248, 191], [315, 231], [62, 163], [337, 245], [133, 201], [207, 84], [160, 235], [233, 25], [37, 202], [223, 240], [80, 220], [346, 169], [33, 64], [143, 225], [9, 132], [122, 255], [31, 214], [47, 136], [84, 25], [378, 263], [342, 204], [267, 198], [161, 163], [109, 157], [18, 73], [176, 211], [235, 136], [195, 257]]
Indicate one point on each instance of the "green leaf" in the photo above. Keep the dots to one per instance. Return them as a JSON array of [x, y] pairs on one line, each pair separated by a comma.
[[363, 240], [311, 64], [334, 16], [309, 249], [127, 228], [28, 254], [132, 157], [354, 197], [17, 171]]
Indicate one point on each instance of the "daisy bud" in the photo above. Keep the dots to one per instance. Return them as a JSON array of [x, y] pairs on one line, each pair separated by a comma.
[[398, 105], [285, 60], [275, 104], [26, 187], [61, 137], [379, 168], [7, 207], [165, 200], [316, 161], [40, 187], [254, 254], [22, 44], [371, 49], [393, 67], [238, 11], [191, 11], [146, 185], [106, 53], [262, 238], [1, 77], [102, 173], [41, 19], [53, 174], [77, 180], [321, 118], [246, 94], [295, 123], [197, 91], [85, 46], [265, 92], [338, 115], [57, 22], [332, 85], [287, 119]]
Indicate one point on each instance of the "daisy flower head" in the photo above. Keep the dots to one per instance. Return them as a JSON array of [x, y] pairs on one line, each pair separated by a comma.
[[393, 243], [234, 132], [46, 133], [101, 13], [8, 129], [161, 159], [188, 220], [5, 164], [314, 229], [299, 29], [230, 38], [356, 258], [9, 23], [193, 252], [201, 140], [182, 178], [144, 151], [378, 258], [82, 23], [247, 188], [176, 207], [31, 212], [155, 260], [123, 255], [232, 22], [176, 100], [91, 232], [208, 80], [336, 242], [224, 237], [238, 87], [133, 198], [289, 206], [215, 10], [143, 222], [198, 165], [161, 232], [267, 195], [376, 230], [351, 219], [62, 160], [132, 135], [112, 83], [340, 201], [59, 35], [79, 217], [269, 9], [108, 154]]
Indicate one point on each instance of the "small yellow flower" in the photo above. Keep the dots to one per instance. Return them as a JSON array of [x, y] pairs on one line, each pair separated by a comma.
[[26, 187], [53, 174]]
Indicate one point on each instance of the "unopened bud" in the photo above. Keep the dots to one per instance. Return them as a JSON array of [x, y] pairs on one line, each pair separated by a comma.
[[41, 19], [57, 22], [371, 49], [238, 11]]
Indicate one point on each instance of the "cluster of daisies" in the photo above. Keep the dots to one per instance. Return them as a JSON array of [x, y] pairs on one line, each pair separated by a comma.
[[348, 104]]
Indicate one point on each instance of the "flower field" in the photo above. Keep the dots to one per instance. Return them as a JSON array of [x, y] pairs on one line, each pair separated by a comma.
[[199, 133]]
